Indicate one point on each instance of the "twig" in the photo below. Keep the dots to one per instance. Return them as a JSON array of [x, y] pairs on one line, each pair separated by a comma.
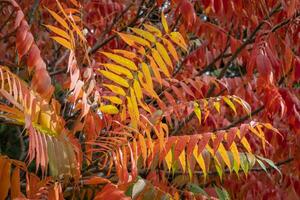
[[241, 120], [99, 44], [32, 11], [233, 57]]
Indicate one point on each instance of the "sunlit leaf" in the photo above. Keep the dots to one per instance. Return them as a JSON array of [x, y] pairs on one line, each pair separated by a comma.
[[121, 60], [115, 78], [59, 19], [115, 89], [145, 34], [109, 109], [113, 99], [118, 70], [177, 38], [164, 22], [63, 42], [163, 52], [160, 62], [229, 103], [58, 31], [153, 29]]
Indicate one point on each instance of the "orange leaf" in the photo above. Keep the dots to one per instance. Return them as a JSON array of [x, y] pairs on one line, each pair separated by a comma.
[[63, 42], [95, 180], [59, 19], [4, 177], [58, 31], [15, 184]]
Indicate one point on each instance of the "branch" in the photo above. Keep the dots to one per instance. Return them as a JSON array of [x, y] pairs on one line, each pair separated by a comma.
[[99, 44], [227, 171], [233, 57], [241, 120]]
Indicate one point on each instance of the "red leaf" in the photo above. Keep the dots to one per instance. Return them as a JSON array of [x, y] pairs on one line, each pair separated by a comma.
[[110, 191], [264, 66]]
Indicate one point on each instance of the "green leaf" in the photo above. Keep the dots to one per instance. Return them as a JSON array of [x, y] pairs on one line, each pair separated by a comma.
[[195, 189], [244, 163], [138, 187], [262, 165], [222, 194], [271, 163]]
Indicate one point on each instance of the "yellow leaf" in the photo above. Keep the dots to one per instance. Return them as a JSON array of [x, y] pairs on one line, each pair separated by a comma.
[[143, 147], [164, 22], [137, 89], [58, 31], [113, 99], [171, 49], [134, 104], [229, 103], [259, 134], [132, 40], [224, 155], [217, 106], [200, 160], [244, 141], [160, 62], [116, 89], [197, 111], [236, 157], [145, 34], [123, 113], [147, 74], [109, 109], [139, 95], [63, 42], [164, 54], [131, 113], [149, 90], [115, 78], [269, 126], [177, 38], [59, 19], [155, 69], [182, 160], [168, 159], [121, 60], [153, 29], [209, 149], [243, 103], [118, 70]]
